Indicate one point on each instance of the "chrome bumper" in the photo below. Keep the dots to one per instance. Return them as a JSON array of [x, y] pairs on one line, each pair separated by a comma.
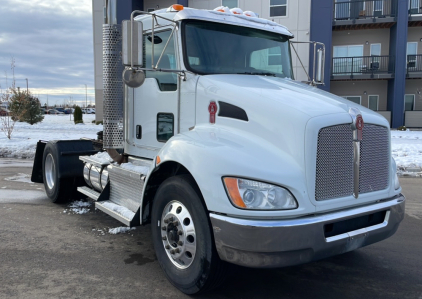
[[280, 243]]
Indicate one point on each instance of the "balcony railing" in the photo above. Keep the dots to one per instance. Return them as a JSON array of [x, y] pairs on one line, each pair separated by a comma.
[[414, 63], [363, 65], [364, 9], [415, 7]]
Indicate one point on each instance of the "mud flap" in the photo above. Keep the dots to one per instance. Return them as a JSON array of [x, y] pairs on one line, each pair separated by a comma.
[[36, 176]]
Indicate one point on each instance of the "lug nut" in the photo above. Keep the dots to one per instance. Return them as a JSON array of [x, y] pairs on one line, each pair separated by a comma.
[[180, 232], [164, 228], [167, 246], [177, 250], [164, 238], [166, 221], [176, 223], [180, 243], [172, 251], [171, 219]]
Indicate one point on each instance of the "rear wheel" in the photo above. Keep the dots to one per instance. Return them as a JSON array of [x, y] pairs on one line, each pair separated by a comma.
[[183, 238], [58, 190]]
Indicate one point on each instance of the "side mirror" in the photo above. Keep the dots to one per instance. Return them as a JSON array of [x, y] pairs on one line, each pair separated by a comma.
[[132, 44], [133, 78], [320, 63]]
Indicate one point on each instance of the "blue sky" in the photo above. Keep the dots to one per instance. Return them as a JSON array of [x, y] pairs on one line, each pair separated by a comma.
[[51, 42]]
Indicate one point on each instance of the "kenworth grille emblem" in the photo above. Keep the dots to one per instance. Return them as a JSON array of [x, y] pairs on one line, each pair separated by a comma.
[[357, 128]]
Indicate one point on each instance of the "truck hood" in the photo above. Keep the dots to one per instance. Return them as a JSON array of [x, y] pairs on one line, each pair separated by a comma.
[[275, 92], [284, 116]]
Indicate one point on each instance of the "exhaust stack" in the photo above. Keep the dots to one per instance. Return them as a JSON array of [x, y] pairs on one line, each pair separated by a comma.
[[112, 80]]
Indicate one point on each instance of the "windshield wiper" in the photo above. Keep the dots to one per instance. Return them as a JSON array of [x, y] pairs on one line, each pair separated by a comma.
[[258, 73]]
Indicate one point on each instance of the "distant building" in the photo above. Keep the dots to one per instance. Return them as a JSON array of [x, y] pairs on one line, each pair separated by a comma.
[[373, 47]]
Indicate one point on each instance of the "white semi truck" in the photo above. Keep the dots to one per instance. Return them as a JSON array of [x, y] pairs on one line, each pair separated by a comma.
[[230, 160]]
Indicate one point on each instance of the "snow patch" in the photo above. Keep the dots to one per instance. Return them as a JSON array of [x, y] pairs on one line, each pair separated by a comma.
[[20, 177], [102, 158], [79, 207], [136, 168], [120, 230], [53, 127], [126, 213]]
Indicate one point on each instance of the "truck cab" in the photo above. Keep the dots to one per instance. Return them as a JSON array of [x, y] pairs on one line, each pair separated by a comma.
[[229, 158]]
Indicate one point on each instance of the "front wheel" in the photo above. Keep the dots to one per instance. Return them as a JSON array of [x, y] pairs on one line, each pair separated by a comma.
[[183, 238]]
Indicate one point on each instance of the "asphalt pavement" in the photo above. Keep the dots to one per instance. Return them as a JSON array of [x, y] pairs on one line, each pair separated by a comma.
[[49, 251]]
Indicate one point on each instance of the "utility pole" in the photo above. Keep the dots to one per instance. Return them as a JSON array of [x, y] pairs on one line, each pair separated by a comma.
[[86, 97], [26, 86]]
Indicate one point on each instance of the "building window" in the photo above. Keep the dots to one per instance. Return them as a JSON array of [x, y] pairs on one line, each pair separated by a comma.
[[278, 8], [373, 102], [165, 126], [230, 3], [347, 59], [354, 99], [409, 102]]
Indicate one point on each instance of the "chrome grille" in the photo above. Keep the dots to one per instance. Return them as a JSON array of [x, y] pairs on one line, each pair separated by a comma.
[[374, 159], [334, 164], [334, 167]]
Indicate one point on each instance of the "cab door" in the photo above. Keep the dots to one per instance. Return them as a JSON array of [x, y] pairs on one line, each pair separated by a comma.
[[155, 102]]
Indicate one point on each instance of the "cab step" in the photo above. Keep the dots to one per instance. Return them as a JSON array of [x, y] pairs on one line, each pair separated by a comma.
[[119, 212], [89, 192]]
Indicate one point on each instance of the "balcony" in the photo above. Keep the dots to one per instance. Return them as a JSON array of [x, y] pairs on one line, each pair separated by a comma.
[[414, 66], [415, 13], [363, 68], [364, 14]]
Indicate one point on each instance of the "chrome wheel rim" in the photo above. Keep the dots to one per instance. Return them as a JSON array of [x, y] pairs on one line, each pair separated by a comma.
[[50, 171], [178, 234]]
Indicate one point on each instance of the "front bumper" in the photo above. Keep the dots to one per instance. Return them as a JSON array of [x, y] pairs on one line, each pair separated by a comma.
[[280, 243]]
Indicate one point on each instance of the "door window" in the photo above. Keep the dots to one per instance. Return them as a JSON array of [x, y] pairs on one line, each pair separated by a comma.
[[166, 81], [347, 59], [165, 126], [378, 6], [230, 3], [342, 9], [373, 103], [409, 102], [412, 51], [354, 99]]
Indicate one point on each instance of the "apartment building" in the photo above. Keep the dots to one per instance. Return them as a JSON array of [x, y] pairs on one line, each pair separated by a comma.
[[373, 47], [376, 55]]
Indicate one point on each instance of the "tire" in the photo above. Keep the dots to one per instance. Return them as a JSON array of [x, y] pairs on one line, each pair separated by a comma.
[[179, 198], [57, 190]]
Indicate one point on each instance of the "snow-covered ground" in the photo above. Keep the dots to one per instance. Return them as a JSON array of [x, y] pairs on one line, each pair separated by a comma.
[[406, 145], [25, 137], [406, 149]]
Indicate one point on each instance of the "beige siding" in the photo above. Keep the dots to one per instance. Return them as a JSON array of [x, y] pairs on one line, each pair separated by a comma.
[[412, 87], [414, 34], [360, 37], [358, 88]]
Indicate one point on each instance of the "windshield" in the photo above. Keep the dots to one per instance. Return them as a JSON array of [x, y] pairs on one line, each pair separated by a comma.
[[214, 48]]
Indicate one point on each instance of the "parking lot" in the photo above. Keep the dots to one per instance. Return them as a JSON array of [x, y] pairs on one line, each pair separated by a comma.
[[49, 251]]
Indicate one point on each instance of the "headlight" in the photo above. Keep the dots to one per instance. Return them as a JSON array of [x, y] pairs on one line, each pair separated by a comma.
[[396, 182], [247, 194]]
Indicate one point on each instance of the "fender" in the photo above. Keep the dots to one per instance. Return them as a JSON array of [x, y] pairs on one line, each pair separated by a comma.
[[210, 152]]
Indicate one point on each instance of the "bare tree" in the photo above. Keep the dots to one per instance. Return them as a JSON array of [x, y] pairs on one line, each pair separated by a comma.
[[7, 121]]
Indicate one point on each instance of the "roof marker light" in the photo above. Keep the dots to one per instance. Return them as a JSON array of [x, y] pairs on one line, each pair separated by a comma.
[[251, 14], [236, 11], [222, 9], [177, 7]]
